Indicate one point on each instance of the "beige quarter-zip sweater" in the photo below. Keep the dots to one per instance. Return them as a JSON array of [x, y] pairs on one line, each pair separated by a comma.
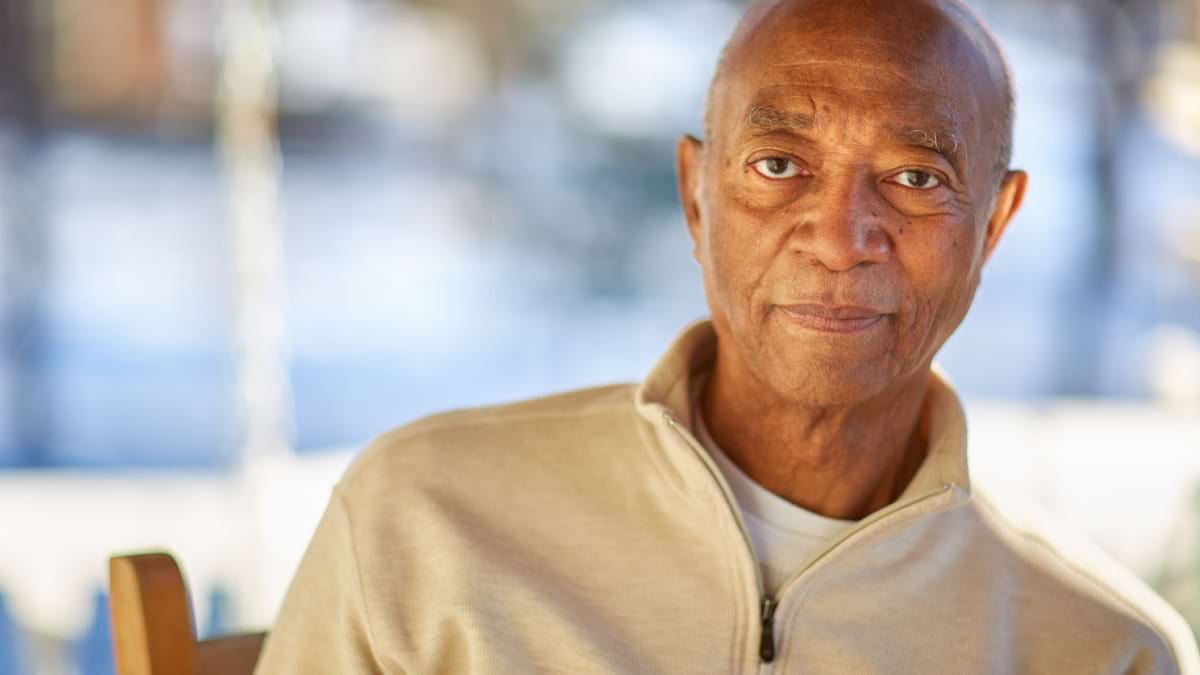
[[589, 532]]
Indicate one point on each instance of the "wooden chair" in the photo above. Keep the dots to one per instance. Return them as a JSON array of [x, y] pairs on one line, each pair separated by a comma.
[[152, 628]]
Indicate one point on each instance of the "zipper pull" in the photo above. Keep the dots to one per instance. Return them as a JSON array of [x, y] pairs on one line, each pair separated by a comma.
[[766, 647]]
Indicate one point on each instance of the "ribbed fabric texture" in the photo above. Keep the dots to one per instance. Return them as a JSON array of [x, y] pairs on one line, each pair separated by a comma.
[[588, 533]]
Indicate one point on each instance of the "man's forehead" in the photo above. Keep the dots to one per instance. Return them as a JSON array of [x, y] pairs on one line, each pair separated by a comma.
[[815, 107], [924, 72], [803, 54], [926, 59], [851, 71]]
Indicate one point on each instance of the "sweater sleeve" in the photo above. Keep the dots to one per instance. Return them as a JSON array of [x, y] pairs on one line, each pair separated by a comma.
[[323, 626]]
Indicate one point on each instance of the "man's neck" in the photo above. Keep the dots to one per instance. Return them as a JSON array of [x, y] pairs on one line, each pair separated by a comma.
[[840, 462]]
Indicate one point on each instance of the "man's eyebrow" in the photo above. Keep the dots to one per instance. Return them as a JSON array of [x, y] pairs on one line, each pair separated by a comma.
[[765, 119], [946, 142]]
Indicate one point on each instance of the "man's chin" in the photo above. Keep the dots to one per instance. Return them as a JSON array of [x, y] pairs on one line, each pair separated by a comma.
[[830, 380]]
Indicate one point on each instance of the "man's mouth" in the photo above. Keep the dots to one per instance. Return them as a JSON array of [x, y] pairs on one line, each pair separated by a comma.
[[832, 319]]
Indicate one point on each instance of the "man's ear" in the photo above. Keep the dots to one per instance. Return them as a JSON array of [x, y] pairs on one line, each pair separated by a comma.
[[1008, 201], [688, 165]]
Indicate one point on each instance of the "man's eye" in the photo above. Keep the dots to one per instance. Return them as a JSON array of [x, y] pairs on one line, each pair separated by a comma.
[[918, 180], [777, 168]]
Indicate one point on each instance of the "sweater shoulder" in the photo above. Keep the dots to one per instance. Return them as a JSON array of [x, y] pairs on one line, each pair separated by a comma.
[[1063, 566], [450, 437]]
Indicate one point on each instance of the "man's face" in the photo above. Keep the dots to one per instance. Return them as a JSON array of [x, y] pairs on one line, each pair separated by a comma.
[[842, 208]]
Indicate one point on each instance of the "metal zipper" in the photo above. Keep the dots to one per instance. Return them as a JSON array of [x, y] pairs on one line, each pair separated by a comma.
[[766, 647], [766, 644], [730, 501]]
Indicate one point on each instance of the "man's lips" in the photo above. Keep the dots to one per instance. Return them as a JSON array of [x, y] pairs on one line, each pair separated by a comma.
[[833, 319]]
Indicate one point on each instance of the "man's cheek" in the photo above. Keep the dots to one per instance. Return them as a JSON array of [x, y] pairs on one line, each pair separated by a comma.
[[726, 284], [946, 306], [737, 254], [932, 303]]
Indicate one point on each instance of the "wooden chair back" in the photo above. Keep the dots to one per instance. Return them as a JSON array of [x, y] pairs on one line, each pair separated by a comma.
[[152, 628]]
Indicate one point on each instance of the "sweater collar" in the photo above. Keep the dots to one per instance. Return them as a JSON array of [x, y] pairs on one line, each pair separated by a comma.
[[663, 395]]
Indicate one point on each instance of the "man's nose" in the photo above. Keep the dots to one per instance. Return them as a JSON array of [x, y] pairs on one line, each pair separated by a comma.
[[843, 226]]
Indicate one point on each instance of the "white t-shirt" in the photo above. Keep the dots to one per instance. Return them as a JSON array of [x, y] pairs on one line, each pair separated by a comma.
[[783, 534]]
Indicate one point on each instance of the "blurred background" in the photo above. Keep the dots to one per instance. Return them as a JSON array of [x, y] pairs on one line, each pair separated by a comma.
[[240, 238]]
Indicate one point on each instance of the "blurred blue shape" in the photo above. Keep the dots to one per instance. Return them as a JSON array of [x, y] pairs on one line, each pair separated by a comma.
[[10, 643], [93, 653], [219, 613]]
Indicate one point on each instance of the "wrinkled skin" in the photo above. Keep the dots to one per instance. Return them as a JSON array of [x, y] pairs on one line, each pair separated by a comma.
[[842, 208]]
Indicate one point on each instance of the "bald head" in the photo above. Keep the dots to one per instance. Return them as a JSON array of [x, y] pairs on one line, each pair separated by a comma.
[[938, 40]]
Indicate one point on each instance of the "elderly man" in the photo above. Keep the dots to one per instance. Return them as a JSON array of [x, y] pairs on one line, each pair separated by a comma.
[[787, 490]]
